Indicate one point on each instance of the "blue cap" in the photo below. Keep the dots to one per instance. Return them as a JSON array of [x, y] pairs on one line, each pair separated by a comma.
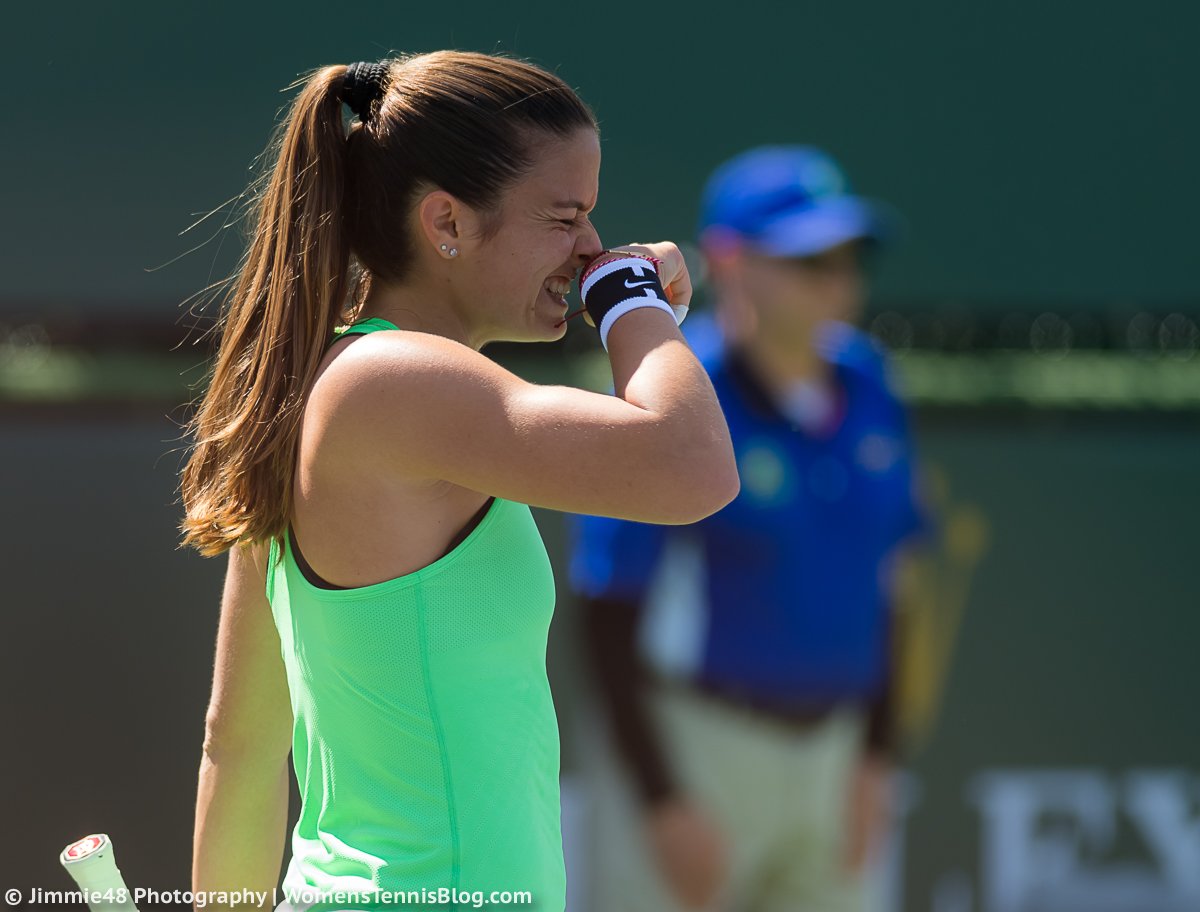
[[789, 201]]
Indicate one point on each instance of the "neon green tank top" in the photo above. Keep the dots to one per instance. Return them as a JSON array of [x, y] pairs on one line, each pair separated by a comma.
[[425, 744]]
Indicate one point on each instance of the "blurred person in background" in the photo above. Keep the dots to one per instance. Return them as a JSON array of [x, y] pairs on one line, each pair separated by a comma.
[[743, 663]]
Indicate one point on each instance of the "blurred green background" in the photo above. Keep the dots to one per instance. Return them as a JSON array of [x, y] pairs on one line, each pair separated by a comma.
[[1040, 152], [1043, 307]]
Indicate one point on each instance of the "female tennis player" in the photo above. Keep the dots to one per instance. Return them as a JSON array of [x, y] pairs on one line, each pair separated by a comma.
[[388, 595]]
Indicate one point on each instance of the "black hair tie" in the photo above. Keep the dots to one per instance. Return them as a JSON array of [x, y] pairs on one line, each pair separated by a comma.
[[362, 86]]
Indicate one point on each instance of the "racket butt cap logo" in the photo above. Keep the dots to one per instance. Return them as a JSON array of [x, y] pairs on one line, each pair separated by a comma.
[[84, 848]]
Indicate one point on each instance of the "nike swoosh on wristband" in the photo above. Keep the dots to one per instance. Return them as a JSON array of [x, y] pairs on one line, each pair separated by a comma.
[[629, 284]]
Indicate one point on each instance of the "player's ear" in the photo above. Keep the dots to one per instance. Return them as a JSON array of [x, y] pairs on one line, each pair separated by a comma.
[[447, 223]]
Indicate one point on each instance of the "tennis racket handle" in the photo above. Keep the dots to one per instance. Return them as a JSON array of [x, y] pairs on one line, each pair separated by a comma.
[[93, 865]]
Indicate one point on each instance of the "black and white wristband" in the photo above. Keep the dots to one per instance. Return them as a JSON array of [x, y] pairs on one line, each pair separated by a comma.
[[615, 288]]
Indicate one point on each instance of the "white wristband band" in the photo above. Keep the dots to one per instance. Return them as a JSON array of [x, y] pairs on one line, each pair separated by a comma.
[[630, 304]]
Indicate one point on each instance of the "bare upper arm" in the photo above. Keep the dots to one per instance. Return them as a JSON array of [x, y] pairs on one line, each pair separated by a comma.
[[250, 707], [432, 408]]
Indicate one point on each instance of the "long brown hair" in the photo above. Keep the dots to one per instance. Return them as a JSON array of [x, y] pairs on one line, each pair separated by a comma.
[[330, 215]]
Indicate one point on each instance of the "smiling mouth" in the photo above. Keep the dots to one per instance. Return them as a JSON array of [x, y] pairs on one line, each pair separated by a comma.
[[558, 286]]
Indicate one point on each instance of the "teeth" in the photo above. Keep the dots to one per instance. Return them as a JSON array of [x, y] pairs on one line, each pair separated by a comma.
[[558, 287]]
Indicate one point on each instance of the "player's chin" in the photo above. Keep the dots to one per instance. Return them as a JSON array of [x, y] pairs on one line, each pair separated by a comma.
[[546, 330], [557, 328], [539, 327]]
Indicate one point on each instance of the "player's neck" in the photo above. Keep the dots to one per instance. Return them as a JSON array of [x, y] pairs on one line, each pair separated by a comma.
[[411, 306]]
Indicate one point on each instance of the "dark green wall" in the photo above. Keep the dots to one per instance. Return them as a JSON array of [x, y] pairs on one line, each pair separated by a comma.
[[1041, 152]]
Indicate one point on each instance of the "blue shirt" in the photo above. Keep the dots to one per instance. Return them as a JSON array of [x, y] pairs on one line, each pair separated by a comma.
[[782, 595]]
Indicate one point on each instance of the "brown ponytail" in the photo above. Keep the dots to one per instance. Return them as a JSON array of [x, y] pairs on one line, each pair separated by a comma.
[[280, 315], [464, 122]]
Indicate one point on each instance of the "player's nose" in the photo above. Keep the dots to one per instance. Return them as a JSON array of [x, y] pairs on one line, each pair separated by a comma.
[[588, 246]]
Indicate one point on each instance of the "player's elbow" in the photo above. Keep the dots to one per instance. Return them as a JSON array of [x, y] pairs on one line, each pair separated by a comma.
[[727, 486], [230, 741], [704, 482], [713, 492]]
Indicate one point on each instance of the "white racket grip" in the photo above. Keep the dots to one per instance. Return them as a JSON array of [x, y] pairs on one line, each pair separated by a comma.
[[93, 865]]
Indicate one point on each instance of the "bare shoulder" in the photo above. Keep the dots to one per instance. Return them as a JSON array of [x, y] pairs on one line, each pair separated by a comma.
[[406, 401], [410, 366]]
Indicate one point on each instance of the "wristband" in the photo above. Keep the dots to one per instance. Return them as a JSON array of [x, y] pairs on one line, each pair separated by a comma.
[[613, 289], [592, 265]]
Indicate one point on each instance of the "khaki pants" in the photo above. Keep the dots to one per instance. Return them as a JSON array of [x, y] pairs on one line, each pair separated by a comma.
[[778, 795]]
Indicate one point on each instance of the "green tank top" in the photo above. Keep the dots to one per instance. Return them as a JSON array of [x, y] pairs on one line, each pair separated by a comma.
[[425, 743]]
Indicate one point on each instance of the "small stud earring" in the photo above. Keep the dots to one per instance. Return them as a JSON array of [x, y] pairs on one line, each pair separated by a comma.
[[453, 251], [442, 248]]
